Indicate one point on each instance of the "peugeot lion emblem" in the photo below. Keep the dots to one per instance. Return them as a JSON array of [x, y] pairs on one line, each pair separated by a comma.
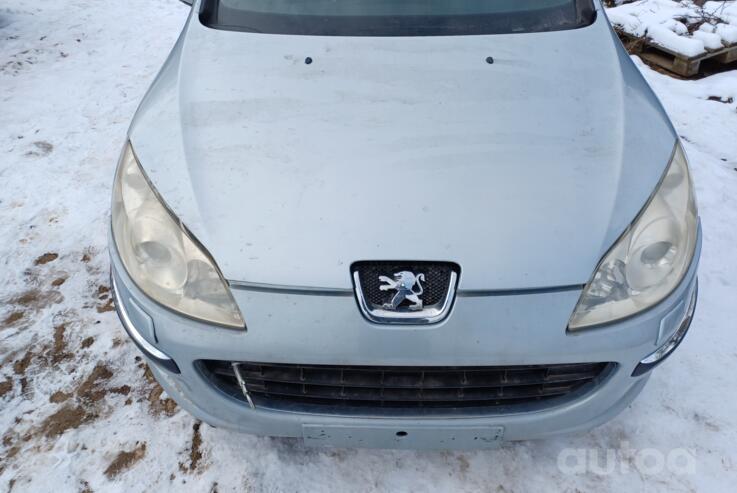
[[407, 285], [412, 292]]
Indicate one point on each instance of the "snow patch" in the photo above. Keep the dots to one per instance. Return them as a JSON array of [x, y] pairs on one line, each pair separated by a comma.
[[662, 35], [727, 32], [710, 41]]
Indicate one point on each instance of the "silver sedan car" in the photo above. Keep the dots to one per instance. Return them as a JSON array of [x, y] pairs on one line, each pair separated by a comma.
[[410, 224]]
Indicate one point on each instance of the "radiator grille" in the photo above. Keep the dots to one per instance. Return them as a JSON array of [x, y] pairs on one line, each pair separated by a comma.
[[342, 387]]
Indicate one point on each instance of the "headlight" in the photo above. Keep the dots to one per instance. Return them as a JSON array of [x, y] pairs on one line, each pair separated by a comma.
[[650, 259], [161, 256]]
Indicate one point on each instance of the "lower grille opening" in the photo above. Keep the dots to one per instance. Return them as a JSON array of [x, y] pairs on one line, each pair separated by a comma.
[[340, 389]]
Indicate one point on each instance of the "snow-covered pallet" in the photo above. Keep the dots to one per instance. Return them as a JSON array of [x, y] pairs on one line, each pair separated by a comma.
[[674, 61], [677, 35]]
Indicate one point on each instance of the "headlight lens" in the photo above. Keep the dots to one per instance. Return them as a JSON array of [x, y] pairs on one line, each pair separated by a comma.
[[650, 259], [161, 256]]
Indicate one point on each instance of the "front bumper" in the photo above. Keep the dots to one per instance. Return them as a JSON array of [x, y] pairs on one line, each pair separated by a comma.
[[309, 328]]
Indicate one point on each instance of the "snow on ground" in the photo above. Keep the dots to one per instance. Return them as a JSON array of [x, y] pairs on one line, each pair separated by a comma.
[[679, 25], [79, 411]]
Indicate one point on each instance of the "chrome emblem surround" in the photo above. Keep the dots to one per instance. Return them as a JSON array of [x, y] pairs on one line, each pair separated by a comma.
[[409, 287]]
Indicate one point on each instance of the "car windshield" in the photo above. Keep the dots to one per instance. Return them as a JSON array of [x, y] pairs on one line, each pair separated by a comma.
[[396, 17]]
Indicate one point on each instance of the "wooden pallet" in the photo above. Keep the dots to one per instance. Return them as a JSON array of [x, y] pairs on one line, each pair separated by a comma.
[[673, 61]]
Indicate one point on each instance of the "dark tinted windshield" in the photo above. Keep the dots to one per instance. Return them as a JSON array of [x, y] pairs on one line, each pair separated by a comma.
[[396, 17]]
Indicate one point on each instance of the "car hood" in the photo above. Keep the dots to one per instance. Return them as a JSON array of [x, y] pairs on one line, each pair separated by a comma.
[[523, 171]]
